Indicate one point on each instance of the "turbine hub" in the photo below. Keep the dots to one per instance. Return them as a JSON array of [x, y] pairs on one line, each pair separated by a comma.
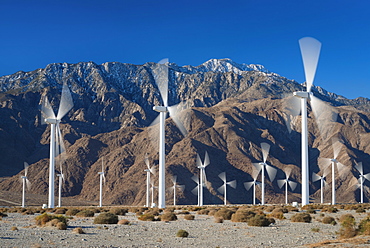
[[101, 173], [334, 160], [59, 175], [24, 177], [302, 94], [160, 108]]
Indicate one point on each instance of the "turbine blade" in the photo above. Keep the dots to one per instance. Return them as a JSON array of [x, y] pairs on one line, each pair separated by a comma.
[[28, 184], [258, 167], [160, 73], [341, 167], [206, 160], [174, 179], [248, 185], [292, 185], [175, 114], [325, 116], [265, 151], [195, 179], [66, 102], [255, 172], [271, 171], [281, 182], [46, 110], [310, 50], [222, 175], [367, 176], [199, 161], [221, 189], [337, 146], [291, 107], [25, 168], [324, 164], [232, 184], [325, 184], [288, 171], [358, 166], [181, 187], [315, 177], [195, 190], [146, 160]]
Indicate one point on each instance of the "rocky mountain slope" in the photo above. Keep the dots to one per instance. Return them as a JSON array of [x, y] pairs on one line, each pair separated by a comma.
[[232, 108]]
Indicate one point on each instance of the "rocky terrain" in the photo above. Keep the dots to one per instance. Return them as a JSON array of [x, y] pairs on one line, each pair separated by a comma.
[[231, 109]]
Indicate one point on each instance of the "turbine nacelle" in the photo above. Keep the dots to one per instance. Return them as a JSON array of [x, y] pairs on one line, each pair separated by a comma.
[[23, 177], [101, 173], [334, 160], [52, 121], [160, 109], [302, 94]]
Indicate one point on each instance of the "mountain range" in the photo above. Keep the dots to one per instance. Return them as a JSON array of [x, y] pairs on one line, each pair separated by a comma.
[[231, 109]]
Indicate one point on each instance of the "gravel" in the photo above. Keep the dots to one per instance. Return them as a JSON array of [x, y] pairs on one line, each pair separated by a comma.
[[203, 232]]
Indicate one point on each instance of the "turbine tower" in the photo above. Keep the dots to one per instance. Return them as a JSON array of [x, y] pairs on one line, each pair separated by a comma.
[[287, 182], [56, 141], [334, 164], [262, 166], [248, 185], [222, 189], [174, 187], [362, 178], [323, 184], [202, 177], [324, 114], [196, 190], [61, 178], [25, 183], [160, 73], [102, 178], [149, 170]]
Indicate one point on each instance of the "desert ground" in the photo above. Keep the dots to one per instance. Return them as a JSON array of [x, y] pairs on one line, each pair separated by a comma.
[[19, 229]]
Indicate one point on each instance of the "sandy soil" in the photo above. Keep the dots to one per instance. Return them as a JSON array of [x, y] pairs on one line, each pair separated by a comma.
[[203, 232]]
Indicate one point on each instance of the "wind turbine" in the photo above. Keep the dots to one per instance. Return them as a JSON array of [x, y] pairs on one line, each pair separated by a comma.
[[248, 185], [323, 184], [262, 166], [25, 183], [148, 171], [310, 50], [202, 177], [56, 141], [362, 178], [174, 187], [334, 164], [222, 189], [61, 178], [287, 182], [160, 73], [102, 178], [152, 190]]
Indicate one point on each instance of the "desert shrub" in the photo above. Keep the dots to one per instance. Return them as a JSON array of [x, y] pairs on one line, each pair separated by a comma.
[[272, 220], [224, 213], [330, 209], [219, 220], [277, 213], [364, 226], [315, 229], [348, 227], [311, 211], [360, 210], [184, 212], [123, 222], [153, 211], [78, 230], [14, 228], [269, 208], [168, 216], [301, 217], [329, 220], [44, 218], [259, 220], [72, 211], [346, 217], [212, 212], [60, 211], [106, 218], [85, 213], [182, 233], [292, 209], [61, 226], [189, 217], [119, 211], [242, 215], [2, 214], [28, 212], [203, 211], [146, 217]]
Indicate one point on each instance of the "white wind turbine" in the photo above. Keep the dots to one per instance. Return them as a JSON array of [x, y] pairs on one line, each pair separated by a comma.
[[310, 50], [253, 183], [149, 170], [160, 73], [262, 166], [174, 187], [362, 178], [56, 141], [222, 189], [152, 188], [334, 164], [287, 182], [323, 184], [202, 176], [61, 178], [25, 183], [102, 178]]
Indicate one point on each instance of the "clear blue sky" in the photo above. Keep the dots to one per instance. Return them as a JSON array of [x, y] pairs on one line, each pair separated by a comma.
[[34, 33]]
